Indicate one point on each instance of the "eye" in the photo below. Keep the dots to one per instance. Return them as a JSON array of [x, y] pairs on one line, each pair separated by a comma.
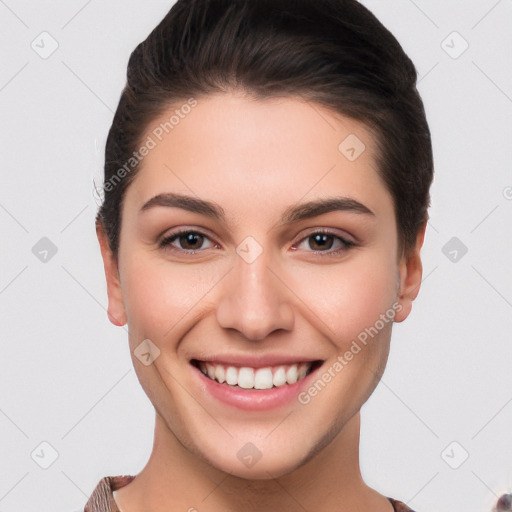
[[322, 241], [187, 241]]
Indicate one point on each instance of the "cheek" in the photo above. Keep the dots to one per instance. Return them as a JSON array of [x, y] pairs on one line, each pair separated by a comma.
[[161, 297], [348, 298]]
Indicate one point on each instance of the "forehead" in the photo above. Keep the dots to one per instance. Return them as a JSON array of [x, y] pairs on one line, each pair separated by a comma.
[[258, 155]]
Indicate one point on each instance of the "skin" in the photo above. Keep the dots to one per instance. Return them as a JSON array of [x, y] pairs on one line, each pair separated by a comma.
[[256, 158]]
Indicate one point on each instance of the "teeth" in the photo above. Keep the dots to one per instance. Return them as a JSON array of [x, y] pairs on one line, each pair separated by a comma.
[[279, 378], [251, 378], [246, 378], [211, 371], [231, 376], [263, 378], [292, 375], [220, 374]]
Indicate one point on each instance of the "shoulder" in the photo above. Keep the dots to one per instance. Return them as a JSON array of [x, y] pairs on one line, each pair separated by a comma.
[[399, 506], [102, 499]]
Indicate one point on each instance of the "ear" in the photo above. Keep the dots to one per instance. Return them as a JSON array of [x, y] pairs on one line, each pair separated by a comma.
[[116, 310], [410, 271]]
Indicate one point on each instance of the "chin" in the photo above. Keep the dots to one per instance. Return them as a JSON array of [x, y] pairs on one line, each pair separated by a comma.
[[266, 468]]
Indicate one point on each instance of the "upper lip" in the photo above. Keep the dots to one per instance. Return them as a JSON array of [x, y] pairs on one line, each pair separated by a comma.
[[255, 361]]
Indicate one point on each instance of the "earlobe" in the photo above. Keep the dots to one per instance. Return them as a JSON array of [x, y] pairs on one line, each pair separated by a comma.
[[116, 310], [410, 271]]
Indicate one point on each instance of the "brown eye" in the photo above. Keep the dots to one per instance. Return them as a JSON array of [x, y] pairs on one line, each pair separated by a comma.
[[323, 242], [320, 241], [190, 240], [185, 241]]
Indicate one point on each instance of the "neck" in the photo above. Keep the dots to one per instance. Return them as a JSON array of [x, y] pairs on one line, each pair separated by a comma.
[[175, 478]]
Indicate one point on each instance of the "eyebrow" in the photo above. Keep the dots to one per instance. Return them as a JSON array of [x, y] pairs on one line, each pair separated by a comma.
[[292, 214]]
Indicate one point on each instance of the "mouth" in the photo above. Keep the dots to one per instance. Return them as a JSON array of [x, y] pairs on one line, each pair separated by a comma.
[[246, 377]]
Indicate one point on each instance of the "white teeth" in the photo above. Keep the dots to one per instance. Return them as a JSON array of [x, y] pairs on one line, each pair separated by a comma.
[[231, 376], [220, 374], [292, 374], [303, 370], [211, 371], [263, 378], [279, 378], [251, 378], [246, 378]]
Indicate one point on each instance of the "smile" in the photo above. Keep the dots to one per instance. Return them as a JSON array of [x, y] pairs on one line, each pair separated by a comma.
[[255, 378], [256, 383]]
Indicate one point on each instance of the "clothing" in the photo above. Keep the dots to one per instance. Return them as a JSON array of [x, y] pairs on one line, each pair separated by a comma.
[[102, 499]]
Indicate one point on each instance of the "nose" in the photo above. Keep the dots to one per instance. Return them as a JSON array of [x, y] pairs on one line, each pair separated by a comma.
[[255, 301]]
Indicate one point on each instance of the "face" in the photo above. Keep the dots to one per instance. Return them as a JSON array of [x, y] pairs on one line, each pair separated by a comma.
[[259, 257]]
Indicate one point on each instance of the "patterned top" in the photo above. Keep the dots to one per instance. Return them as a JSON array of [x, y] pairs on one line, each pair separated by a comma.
[[102, 498]]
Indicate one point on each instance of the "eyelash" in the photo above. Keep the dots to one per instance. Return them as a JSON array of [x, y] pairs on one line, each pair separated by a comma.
[[166, 242]]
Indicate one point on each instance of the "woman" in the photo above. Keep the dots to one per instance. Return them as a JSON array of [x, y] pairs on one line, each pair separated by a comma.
[[267, 181]]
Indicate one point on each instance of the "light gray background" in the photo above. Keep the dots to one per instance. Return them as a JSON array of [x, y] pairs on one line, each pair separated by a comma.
[[66, 376]]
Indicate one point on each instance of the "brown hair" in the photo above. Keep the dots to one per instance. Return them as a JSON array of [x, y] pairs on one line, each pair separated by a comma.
[[333, 52]]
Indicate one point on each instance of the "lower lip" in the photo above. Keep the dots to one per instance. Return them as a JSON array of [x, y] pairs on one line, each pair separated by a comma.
[[252, 399]]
